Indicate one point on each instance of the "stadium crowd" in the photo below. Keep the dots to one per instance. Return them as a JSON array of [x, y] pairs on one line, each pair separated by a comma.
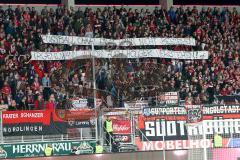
[[24, 82]]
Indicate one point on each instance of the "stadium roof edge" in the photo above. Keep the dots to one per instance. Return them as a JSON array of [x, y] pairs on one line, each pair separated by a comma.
[[118, 5]]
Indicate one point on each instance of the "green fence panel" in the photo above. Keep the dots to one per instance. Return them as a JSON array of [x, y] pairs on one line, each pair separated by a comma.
[[36, 149]]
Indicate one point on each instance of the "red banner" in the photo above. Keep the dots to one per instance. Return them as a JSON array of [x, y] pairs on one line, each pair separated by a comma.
[[79, 114], [121, 127], [16, 117]]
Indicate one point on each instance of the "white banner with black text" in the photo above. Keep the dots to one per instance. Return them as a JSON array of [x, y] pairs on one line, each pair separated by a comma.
[[136, 53]]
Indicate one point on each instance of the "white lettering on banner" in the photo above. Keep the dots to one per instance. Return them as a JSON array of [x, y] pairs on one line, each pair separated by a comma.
[[173, 144], [237, 127], [160, 127], [31, 115], [194, 130], [150, 130], [168, 98], [80, 123], [119, 128], [75, 40], [164, 111], [10, 115], [182, 125], [32, 148], [169, 128], [21, 115], [61, 146], [180, 110], [22, 129], [136, 104], [137, 53], [79, 103]]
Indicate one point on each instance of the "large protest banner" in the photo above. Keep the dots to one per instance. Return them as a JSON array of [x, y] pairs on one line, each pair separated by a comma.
[[36, 149], [155, 130], [135, 53], [75, 40]]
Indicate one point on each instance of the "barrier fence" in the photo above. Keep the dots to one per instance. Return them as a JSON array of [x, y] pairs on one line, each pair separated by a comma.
[[139, 127]]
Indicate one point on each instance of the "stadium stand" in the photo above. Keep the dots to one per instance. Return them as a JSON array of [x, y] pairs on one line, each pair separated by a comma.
[[27, 83]]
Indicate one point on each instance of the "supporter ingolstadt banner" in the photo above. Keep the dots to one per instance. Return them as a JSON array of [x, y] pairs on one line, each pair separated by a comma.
[[36, 149], [224, 111], [170, 122]]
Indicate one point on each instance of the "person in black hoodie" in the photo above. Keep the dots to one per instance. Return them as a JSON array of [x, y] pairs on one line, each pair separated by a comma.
[[23, 104], [115, 146], [13, 106]]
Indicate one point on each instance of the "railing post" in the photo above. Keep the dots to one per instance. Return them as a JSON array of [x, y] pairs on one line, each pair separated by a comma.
[[132, 128], [81, 135], [164, 146], [204, 138], [110, 142], [94, 93], [1, 127]]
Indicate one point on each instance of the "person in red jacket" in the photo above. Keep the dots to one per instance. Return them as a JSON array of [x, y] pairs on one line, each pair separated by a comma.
[[39, 103], [50, 103]]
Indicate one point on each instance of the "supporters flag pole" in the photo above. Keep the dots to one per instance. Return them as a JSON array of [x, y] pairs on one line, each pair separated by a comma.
[[94, 94]]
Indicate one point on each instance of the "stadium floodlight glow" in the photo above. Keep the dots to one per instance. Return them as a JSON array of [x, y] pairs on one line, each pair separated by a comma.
[[98, 155], [180, 152]]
